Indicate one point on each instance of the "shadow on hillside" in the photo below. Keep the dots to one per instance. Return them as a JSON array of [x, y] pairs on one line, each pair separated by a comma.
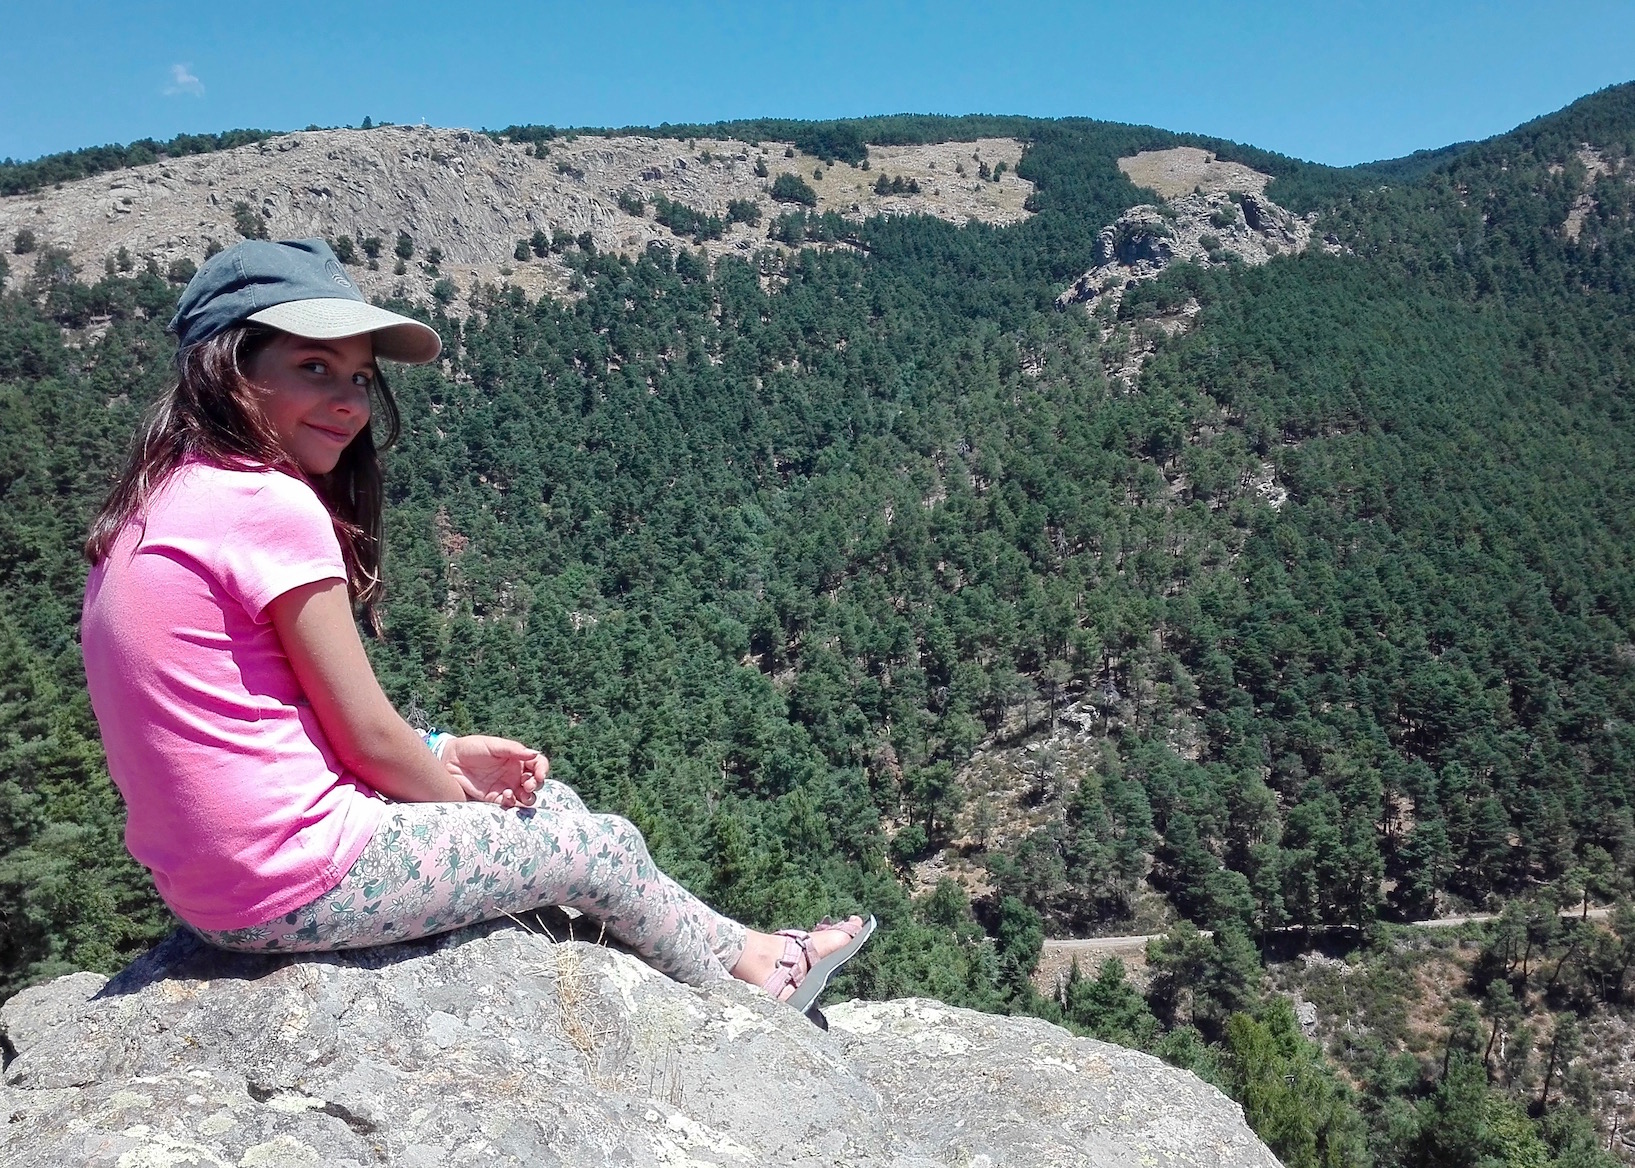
[[1336, 942]]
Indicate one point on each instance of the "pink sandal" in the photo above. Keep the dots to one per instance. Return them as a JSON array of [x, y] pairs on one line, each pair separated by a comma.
[[801, 968]]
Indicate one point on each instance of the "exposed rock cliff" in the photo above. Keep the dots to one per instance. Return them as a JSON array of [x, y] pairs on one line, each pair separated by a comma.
[[1229, 220], [1212, 213], [495, 1046]]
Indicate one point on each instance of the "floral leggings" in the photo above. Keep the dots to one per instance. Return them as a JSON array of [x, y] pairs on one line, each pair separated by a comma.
[[431, 867]]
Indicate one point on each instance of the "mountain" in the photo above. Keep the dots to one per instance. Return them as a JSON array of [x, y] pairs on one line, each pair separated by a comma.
[[1062, 574], [466, 202]]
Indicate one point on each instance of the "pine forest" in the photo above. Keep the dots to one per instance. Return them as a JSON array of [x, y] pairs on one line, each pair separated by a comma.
[[853, 572]]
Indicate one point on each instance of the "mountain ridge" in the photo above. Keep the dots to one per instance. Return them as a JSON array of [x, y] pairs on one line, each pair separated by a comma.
[[476, 211], [1320, 619]]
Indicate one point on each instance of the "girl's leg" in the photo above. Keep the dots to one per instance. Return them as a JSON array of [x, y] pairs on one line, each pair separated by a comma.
[[431, 867], [756, 955]]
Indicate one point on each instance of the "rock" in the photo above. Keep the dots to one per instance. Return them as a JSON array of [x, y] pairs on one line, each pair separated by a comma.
[[1140, 239], [495, 1046], [1223, 204], [467, 195], [1213, 213], [966, 1088]]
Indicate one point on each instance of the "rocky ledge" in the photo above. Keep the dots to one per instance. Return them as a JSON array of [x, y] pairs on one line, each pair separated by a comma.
[[496, 1046], [1207, 229]]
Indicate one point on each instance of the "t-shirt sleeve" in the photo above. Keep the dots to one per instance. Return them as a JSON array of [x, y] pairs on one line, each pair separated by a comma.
[[282, 538]]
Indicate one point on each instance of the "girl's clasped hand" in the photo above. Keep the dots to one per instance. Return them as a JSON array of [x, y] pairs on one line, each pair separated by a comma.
[[496, 770], [277, 797]]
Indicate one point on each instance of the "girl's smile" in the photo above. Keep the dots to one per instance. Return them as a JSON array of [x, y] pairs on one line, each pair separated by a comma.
[[316, 395]]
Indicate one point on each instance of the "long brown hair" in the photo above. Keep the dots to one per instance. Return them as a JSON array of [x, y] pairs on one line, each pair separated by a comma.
[[213, 414]]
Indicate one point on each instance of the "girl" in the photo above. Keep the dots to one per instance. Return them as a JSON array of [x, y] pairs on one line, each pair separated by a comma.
[[278, 799]]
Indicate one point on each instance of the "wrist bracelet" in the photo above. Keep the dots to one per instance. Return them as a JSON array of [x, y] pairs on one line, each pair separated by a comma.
[[436, 741]]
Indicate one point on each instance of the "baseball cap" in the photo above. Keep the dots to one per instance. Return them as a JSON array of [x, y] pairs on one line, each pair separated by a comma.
[[296, 286]]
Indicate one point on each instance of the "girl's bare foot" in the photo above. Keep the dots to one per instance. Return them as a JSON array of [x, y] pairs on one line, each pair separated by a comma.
[[762, 951]]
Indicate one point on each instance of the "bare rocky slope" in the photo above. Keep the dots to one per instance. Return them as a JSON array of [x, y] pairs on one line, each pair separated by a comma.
[[496, 1046], [472, 198], [1211, 212]]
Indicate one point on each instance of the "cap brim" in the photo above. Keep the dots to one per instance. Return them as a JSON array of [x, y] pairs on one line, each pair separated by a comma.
[[397, 338]]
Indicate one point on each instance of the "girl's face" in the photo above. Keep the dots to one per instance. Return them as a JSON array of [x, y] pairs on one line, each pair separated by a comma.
[[315, 395]]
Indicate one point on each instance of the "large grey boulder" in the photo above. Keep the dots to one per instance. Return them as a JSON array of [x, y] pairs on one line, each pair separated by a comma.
[[495, 1046]]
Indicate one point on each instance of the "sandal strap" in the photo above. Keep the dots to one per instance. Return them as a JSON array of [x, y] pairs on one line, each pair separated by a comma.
[[798, 956], [791, 967]]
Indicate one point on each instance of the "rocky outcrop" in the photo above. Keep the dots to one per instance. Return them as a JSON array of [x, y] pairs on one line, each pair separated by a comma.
[[496, 1046], [1214, 213], [1208, 228], [472, 198], [1595, 164]]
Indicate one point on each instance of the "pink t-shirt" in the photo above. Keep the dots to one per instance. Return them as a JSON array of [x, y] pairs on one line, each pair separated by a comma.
[[235, 800]]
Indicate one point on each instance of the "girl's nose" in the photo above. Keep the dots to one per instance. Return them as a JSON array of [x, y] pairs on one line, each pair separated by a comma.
[[353, 399]]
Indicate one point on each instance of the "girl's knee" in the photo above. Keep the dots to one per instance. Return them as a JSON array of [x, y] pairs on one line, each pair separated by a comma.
[[624, 834], [554, 795]]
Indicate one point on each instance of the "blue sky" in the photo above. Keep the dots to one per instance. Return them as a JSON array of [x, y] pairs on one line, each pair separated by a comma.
[[1334, 82]]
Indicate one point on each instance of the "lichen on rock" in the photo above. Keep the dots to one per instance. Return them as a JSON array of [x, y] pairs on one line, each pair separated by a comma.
[[494, 1045]]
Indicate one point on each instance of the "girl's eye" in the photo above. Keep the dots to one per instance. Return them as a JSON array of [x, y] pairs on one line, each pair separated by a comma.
[[362, 380], [315, 367]]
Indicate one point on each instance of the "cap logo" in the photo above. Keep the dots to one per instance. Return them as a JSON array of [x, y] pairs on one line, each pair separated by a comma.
[[336, 274]]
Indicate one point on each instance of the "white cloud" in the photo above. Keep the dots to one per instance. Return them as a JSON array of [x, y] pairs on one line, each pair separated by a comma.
[[183, 81]]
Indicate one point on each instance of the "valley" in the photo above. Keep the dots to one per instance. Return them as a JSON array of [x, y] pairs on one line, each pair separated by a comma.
[[1153, 535]]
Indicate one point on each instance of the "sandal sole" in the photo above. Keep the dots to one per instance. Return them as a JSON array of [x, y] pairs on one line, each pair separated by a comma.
[[817, 978]]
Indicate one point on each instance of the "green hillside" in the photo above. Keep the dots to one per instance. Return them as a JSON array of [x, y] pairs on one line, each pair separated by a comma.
[[763, 556]]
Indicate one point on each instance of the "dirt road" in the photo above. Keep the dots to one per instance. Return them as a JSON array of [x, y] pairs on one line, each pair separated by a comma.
[[1058, 954]]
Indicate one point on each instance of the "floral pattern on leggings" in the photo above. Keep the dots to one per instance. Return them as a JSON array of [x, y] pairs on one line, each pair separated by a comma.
[[431, 867]]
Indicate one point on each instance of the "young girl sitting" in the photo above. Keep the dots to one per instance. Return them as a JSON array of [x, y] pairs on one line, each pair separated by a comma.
[[278, 799]]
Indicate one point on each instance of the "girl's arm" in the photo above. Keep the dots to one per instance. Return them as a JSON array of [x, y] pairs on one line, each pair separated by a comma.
[[314, 622]]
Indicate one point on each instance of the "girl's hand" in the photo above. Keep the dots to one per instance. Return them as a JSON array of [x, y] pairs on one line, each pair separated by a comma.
[[496, 770]]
